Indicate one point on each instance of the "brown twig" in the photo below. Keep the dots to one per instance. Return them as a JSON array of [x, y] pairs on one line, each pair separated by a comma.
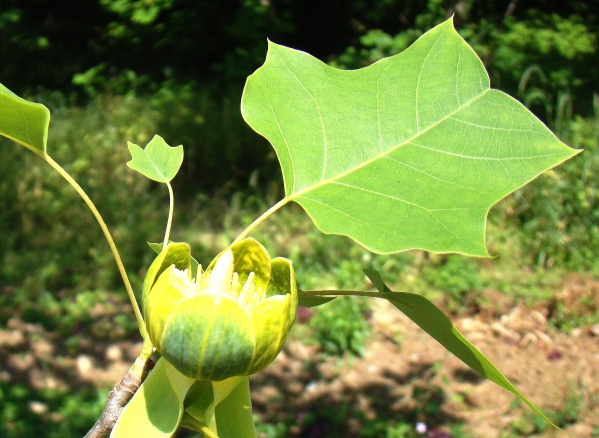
[[119, 397]]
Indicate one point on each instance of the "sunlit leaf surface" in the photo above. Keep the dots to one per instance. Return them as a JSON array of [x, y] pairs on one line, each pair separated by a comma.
[[23, 121], [409, 152], [158, 161]]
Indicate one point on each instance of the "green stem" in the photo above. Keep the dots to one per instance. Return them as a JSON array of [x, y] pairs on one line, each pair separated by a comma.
[[113, 248], [261, 219], [207, 432], [169, 221], [337, 293]]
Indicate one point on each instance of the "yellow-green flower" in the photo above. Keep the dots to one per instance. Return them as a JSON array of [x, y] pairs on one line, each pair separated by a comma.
[[230, 320]]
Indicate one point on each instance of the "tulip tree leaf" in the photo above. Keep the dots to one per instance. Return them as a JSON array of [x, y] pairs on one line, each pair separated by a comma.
[[409, 152], [156, 409], [158, 161], [434, 322], [23, 121]]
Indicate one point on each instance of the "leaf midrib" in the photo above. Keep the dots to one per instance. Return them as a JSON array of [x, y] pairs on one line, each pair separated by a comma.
[[324, 182]]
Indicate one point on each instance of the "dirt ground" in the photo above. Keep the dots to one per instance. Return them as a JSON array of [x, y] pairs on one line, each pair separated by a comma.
[[404, 373]]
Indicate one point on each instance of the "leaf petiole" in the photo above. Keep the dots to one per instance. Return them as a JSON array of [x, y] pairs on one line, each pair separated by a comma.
[[261, 219], [58, 168], [169, 221]]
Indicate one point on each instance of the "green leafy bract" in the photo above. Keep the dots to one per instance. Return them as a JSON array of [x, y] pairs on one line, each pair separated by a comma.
[[434, 322], [156, 409], [23, 121], [158, 161], [225, 408], [409, 152]]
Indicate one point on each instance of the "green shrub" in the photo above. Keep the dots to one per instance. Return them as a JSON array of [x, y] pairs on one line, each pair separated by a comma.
[[558, 213], [455, 276], [29, 413], [342, 326]]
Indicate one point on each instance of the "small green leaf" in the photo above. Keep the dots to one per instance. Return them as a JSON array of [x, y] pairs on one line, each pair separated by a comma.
[[433, 321], [312, 301], [158, 161], [23, 121], [156, 409]]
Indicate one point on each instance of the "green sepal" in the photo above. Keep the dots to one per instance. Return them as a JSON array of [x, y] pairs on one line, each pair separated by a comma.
[[178, 254], [434, 322], [156, 409], [157, 248]]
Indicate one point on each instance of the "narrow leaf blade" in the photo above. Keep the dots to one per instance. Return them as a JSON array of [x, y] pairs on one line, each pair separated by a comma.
[[22, 121], [158, 161], [434, 322], [410, 152], [312, 301]]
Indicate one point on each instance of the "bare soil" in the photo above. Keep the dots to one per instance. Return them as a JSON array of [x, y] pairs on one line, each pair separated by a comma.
[[404, 374]]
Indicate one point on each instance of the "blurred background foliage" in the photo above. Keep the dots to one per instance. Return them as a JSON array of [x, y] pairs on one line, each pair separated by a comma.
[[113, 71], [118, 70]]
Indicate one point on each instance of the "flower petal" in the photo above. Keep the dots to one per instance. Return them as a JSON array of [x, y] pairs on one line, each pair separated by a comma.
[[249, 256], [219, 279], [178, 254], [209, 337], [171, 287], [283, 282], [271, 324]]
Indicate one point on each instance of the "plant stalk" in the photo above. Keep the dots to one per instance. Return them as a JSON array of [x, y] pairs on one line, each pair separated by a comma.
[[107, 235], [337, 293], [261, 219], [169, 221], [120, 396]]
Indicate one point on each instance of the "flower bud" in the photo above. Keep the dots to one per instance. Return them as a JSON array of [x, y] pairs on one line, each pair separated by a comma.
[[231, 320]]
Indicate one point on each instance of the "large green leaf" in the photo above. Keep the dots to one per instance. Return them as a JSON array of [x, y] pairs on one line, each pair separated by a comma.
[[433, 321], [409, 152], [23, 121]]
